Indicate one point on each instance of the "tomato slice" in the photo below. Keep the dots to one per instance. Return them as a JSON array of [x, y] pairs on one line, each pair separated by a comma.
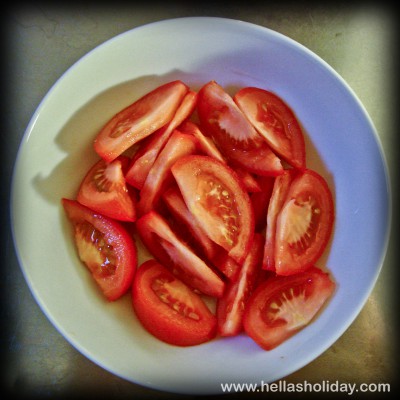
[[222, 119], [178, 145], [208, 147], [140, 119], [231, 305], [175, 203], [104, 190], [278, 196], [168, 309], [283, 305], [104, 247], [169, 250], [215, 196], [144, 159], [275, 121], [260, 201], [304, 223]]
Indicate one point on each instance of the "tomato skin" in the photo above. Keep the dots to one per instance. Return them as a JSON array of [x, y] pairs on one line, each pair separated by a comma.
[[104, 190], [221, 119], [231, 305], [92, 230], [275, 121], [168, 309], [169, 250], [139, 120], [304, 224], [217, 199], [283, 305]]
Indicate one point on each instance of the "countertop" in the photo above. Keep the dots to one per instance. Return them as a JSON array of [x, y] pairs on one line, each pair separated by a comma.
[[42, 42]]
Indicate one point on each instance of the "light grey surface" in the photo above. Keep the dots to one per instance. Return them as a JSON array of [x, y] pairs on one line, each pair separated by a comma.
[[358, 42]]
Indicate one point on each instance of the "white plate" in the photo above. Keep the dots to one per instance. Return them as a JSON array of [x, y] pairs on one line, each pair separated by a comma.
[[57, 150]]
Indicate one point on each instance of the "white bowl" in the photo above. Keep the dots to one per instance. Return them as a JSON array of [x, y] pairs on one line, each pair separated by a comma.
[[56, 151]]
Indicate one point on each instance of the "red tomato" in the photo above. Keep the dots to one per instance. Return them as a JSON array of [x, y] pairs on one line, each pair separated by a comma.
[[105, 247], [144, 159], [175, 203], [177, 146], [221, 119], [139, 120], [208, 147], [275, 121], [260, 201], [278, 196], [283, 305], [104, 190], [168, 309], [304, 223], [215, 196], [169, 250], [231, 305]]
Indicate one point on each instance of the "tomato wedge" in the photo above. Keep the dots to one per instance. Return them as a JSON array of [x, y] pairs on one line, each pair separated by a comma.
[[222, 119], [104, 190], [177, 146], [175, 203], [283, 305], [169, 250], [168, 309], [140, 119], [215, 196], [304, 223], [278, 196], [104, 247], [144, 159], [208, 147], [275, 121], [231, 305]]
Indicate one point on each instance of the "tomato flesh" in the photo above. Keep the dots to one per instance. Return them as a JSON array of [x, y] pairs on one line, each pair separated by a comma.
[[304, 224], [232, 132], [170, 310], [283, 305], [104, 190], [275, 121], [139, 120], [215, 196], [104, 247]]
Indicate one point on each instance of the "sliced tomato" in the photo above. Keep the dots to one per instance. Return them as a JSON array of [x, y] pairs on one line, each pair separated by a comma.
[[169, 250], [237, 139], [177, 146], [275, 121], [260, 201], [104, 190], [304, 224], [283, 305], [208, 147], [215, 196], [278, 197], [175, 203], [168, 309], [144, 159], [104, 247], [231, 305], [140, 119]]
